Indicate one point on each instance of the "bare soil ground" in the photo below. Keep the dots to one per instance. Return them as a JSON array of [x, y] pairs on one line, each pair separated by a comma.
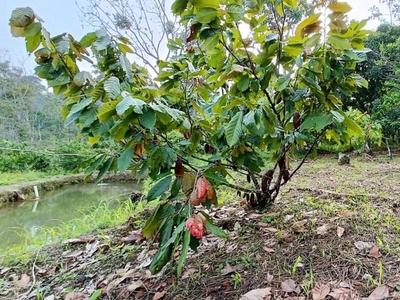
[[333, 234]]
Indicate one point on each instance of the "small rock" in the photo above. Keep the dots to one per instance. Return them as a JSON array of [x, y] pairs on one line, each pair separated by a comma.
[[81, 278], [344, 159]]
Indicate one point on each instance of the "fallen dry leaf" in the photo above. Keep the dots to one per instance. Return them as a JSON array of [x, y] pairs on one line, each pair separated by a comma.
[[321, 230], [76, 296], [257, 294], [340, 231], [133, 237], [128, 290], [341, 294], [51, 297], [319, 292], [188, 272], [269, 250], [231, 269], [374, 252], [159, 295], [91, 248], [290, 286], [24, 281], [363, 245], [380, 293]]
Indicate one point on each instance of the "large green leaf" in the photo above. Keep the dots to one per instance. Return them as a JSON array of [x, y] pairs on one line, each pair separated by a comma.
[[112, 87], [243, 83], [236, 12], [206, 15], [184, 252], [104, 169], [233, 130], [106, 111], [148, 119], [159, 188], [179, 6], [352, 127], [129, 102], [88, 39], [125, 159], [216, 230], [317, 121], [153, 222]]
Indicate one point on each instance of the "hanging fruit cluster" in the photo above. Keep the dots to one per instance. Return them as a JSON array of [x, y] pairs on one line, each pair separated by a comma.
[[202, 192], [196, 225]]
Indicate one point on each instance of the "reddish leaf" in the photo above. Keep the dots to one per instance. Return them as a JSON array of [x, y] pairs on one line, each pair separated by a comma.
[[24, 281], [290, 286], [159, 295], [319, 292], [380, 293], [374, 252], [340, 294]]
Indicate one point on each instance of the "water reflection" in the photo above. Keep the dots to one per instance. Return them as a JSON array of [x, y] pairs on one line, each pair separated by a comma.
[[57, 206]]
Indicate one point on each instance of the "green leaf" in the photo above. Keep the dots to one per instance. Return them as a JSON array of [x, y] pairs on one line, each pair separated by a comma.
[[243, 83], [103, 40], [106, 111], [283, 82], [210, 42], [184, 251], [112, 87], [148, 119], [236, 12], [340, 7], [153, 222], [81, 77], [76, 110], [176, 186], [88, 39], [124, 48], [126, 66], [233, 130], [206, 15], [179, 6], [159, 188], [33, 29], [317, 121], [33, 42], [313, 40], [98, 91], [96, 294], [199, 4], [125, 159], [352, 127], [104, 169], [128, 102], [216, 230], [339, 43]]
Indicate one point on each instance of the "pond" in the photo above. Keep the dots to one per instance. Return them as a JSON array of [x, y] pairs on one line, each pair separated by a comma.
[[57, 206]]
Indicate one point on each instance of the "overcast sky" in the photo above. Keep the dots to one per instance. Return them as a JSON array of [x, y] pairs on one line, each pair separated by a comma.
[[64, 16]]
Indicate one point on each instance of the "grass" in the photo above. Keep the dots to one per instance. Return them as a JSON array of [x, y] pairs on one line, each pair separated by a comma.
[[13, 178]]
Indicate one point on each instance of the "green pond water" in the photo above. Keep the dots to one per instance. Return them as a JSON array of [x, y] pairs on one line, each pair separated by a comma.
[[58, 206]]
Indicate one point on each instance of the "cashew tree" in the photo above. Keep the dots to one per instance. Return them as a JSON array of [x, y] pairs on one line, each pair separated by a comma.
[[242, 99]]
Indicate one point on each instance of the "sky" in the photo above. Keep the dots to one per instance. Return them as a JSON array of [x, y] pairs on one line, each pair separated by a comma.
[[64, 16]]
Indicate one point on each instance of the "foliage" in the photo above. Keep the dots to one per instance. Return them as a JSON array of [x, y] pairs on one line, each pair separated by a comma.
[[381, 65], [230, 96], [372, 135], [29, 112], [22, 157], [387, 111]]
